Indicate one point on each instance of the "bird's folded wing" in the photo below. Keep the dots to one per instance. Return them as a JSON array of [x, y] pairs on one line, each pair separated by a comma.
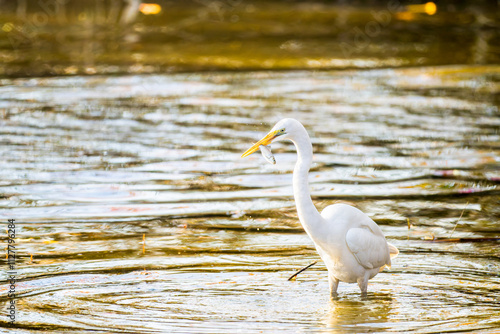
[[369, 249]]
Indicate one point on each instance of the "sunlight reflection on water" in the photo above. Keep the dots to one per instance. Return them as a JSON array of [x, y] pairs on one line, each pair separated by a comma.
[[88, 174]]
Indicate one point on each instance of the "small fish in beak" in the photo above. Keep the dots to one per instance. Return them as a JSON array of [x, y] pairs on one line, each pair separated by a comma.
[[267, 154], [264, 141]]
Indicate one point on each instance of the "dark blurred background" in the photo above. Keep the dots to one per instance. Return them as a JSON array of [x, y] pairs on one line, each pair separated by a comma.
[[67, 37]]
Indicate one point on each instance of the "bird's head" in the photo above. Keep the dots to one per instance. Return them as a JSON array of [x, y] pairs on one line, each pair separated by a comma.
[[284, 129]]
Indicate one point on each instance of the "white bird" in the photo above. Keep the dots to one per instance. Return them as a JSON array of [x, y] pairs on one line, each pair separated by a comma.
[[350, 243]]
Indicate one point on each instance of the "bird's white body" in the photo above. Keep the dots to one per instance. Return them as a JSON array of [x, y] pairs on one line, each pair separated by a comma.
[[361, 250], [350, 243]]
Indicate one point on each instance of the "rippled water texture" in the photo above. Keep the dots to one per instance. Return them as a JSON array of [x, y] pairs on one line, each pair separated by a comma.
[[94, 166]]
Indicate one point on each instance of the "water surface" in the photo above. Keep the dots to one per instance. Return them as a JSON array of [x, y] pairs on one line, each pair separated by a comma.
[[94, 166]]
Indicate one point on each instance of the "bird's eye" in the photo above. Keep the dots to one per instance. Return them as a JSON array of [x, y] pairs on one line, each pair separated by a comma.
[[282, 130]]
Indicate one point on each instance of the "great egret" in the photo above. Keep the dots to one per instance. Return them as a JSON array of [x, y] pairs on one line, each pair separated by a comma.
[[350, 243]]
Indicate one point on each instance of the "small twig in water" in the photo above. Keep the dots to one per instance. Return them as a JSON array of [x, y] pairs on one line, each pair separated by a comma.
[[409, 226], [459, 219], [301, 270], [465, 240]]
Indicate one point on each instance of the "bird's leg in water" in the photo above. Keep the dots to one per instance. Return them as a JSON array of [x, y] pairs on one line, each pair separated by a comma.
[[363, 285], [334, 284]]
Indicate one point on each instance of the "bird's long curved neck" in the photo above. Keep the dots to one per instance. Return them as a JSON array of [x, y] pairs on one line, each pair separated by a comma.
[[308, 214]]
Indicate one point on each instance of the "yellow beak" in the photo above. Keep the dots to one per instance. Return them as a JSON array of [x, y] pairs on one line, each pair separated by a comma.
[[264, 141]]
